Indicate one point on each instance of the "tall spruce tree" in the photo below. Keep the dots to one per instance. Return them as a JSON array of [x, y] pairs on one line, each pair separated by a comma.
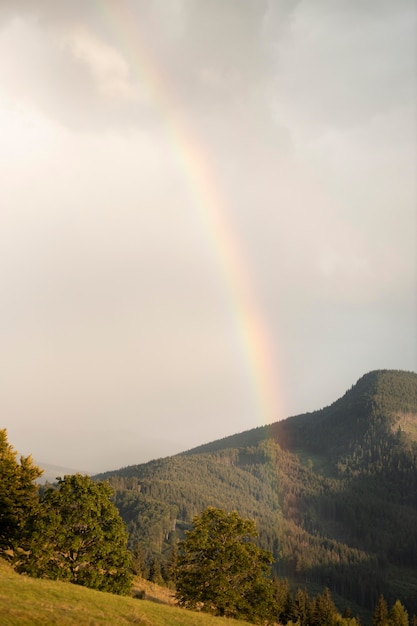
[[282, 599], [79, 536], [380, 616], [221, 571], [18, 495], [300, 609], [323, 610], [398, 616]]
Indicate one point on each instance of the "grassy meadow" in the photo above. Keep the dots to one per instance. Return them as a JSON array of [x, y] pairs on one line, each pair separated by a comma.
[[26, 601]]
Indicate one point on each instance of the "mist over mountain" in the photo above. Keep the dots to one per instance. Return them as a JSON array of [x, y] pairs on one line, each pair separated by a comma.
[[333, 492], [51, 472]]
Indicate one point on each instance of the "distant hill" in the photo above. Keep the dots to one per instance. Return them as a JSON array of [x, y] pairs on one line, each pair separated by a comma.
[[333, 492], [381, 402], [51, 472]]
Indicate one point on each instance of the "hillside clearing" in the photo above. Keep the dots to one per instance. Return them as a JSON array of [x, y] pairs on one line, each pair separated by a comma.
[[27, 601]]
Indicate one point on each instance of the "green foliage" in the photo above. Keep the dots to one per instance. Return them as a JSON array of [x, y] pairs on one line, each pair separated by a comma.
[[283, 601], [138, 561], [18, 495], [300, 608], [79, 536], [380, 616], [398, 616], [323, 610], [320, 610], [221, 571], [155, 575]]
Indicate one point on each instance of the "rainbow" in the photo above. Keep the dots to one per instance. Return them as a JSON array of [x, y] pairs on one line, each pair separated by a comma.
[[252, 331]]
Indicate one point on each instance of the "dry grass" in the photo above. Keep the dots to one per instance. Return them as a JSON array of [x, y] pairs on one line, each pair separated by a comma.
[[27, 601], [150, 591]]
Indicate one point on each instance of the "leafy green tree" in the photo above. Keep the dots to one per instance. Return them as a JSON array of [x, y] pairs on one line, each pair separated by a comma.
[[79, 536], [18, 494], [398, 616], [221, 571]]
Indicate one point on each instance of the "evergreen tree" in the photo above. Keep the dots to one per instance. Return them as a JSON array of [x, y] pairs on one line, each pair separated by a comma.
[[155, 575], [221, 571], [300, 609], [282, 599], [380, 616], [398, 616], [18, 495], [323, 611], [138, 561], [170, 566], [79, 536]]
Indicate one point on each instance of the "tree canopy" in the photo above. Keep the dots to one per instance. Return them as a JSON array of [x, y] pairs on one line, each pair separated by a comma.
[[221, 571], [79, 536], [18, 494]]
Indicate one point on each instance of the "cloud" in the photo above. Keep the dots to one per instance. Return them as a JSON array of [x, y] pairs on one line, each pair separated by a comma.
[[108, 68], [210, 55], [125, 125], [343, 65]]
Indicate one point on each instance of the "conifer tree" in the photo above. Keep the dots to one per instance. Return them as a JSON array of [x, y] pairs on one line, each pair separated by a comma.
[[169, 566], [398, 616], [380, 616], [300, 609], [155, 575], [282, 598], [324, 610], [138, 561], [18, 495]]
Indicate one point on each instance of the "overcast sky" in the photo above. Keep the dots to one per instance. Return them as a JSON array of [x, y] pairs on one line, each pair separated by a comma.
[[207, 216]]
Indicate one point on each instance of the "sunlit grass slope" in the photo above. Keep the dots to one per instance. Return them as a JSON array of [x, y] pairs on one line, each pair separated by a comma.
[[27, 601]]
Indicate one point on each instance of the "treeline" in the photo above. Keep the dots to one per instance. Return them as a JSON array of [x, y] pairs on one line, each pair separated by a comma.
[[343, 533], [217, 568], [293, 606], [301, 609]]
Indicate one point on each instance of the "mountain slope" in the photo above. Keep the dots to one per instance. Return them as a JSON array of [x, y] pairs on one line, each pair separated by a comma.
[[378, 404], [333, 492]]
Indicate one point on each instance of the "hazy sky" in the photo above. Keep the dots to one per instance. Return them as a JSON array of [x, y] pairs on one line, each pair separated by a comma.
[[207, 216]]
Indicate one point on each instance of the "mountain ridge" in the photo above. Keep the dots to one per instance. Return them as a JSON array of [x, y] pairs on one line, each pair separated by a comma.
[[357, 399], [333, 492], [51, 472]]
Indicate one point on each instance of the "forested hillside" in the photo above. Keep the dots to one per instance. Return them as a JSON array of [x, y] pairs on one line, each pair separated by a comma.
[[333, 493]]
